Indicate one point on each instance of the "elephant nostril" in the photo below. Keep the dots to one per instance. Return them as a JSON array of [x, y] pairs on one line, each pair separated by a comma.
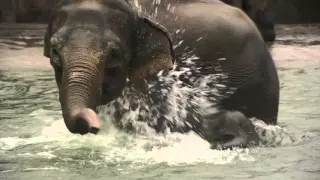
[[81, 125], [94, 130], [86, 121]]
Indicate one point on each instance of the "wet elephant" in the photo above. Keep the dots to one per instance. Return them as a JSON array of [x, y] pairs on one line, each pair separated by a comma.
[[226, 33], [94, 46], [257, 10]]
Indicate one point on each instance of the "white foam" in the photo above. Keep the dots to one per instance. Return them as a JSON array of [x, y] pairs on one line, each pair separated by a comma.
[[145, 146], [136, 150], [274, 135]]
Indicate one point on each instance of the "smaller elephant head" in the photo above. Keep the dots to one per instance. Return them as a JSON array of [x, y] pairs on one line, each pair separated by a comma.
[[94, 46], [228, 129]]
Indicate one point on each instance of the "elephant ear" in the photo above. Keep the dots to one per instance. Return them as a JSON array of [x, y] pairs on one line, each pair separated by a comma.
[[153, 52], [47, 43], [48, 33]]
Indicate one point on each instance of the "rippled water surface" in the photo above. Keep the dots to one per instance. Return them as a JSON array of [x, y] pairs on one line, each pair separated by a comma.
[[34, 143]]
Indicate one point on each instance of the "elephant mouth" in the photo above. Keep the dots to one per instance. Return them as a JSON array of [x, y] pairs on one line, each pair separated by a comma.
[[230, 141], [111, 89], [230, 129]]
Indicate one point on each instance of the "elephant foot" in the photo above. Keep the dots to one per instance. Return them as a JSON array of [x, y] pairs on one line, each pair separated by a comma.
[[85, 121], [229, 129]]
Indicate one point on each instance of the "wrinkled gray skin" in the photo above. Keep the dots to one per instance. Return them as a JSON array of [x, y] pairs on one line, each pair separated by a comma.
[[257, 10], [213, 30], [95, 45]]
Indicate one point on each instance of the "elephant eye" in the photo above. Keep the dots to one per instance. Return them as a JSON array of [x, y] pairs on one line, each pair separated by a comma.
[[114, 58], [115, 53], [55, 59]]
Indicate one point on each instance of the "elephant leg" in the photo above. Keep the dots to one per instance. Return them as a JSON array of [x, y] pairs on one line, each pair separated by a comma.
[[265, 26], [255, 101], [268, 111], [257, 11], [256, 82]]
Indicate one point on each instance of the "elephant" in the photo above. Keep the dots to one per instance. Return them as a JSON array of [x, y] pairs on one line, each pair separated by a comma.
[[257, 10], [229, 34], [95, 46]]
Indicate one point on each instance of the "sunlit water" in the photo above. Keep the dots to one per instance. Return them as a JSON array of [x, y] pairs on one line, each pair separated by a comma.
[[34, 143]]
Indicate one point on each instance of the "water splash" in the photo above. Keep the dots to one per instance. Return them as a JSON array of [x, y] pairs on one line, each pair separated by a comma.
[[182, 91], [275, 136], [176, 100], [113, 147], [187, 89]]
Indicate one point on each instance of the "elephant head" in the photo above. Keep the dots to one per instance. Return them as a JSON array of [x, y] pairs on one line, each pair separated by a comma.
[[94, 46]]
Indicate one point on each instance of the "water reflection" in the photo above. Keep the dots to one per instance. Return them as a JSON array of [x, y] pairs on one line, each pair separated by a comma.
[[22, 92]]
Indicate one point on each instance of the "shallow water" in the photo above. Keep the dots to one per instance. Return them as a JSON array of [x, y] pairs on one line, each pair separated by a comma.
[[34, 143]]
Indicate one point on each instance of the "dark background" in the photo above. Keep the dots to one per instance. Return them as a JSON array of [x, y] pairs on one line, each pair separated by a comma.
[[279, 11]]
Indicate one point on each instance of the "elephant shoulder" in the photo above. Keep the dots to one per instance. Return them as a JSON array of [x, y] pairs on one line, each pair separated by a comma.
[[240, 22]]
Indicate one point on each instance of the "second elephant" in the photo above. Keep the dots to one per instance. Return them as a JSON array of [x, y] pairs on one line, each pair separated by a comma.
[[257, 10]]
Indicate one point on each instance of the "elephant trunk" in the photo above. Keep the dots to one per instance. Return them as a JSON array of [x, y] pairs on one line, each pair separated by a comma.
[[80, 91]]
